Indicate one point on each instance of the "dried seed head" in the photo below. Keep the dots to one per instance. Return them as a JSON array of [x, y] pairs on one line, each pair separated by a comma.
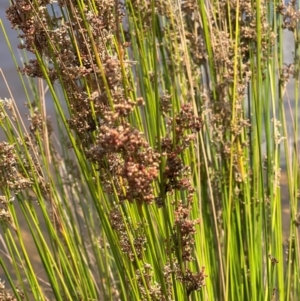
[[10, 177]]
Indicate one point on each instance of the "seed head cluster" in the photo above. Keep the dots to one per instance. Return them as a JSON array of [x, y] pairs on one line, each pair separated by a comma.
[[291, 15], [133, 161], [37, 124], [193, 281], [10, 176], [154, 288], [138, 241], [5, 216], [186, 230], [6, 296], [177, 175]]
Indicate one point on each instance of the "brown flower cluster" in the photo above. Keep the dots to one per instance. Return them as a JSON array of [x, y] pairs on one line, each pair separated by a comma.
[[193, 281], [32, 22], [6, 296], [144, 9], [297, 219], [23, 15], [10, 177], [291, 15], [154, 288], [177, 175], [186, 230], [138, 242], [37, 124], [5, 215], [133, 162]]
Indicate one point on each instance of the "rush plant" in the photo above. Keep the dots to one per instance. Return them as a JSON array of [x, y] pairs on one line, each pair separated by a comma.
[[158, 175]]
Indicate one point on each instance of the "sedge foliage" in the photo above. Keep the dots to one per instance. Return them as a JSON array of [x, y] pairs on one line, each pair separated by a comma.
[[162, 178]]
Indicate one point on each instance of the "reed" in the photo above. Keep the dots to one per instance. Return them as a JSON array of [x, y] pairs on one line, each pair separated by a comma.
[[158, 175]]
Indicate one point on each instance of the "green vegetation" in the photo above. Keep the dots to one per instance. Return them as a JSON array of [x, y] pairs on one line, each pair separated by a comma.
[[161, 180]]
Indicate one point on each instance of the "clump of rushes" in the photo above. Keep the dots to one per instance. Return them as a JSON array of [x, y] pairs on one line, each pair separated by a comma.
[[156, 184]]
